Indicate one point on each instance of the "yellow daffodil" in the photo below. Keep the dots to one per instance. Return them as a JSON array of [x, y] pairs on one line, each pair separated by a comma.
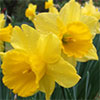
[[35, 63], [31, 11], [72, 28], [91, 10], [2, 21], [50, 5], [5, 33]]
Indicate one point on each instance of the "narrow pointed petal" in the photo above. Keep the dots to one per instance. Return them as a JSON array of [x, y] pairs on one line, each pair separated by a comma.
[[91, 55], [63, 73], [70, 12], [47, 86]]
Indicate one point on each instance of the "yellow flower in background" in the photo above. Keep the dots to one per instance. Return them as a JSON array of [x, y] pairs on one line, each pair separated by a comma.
[[35, 63], [50, 5], [2, 21], [5, 33], [72, 28], [31, 11], [2, 24], [90, 10]]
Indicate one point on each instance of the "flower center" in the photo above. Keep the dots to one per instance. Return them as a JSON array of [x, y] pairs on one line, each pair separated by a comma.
[[38, 67], [35, 66], [27, 71], [67, 38], [76, 39]]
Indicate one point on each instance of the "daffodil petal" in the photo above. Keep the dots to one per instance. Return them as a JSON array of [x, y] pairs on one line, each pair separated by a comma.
[[5, 33], [63, 73], [53, 10], [46, 22], [50, 48], [31, 11], [91, 55], [48, 4], [71, 60], [13, 68], [18, 59], [79, 31], [47, 86], [77, 49], [91, 22], [25, 38], [90, 10], [2, 21], [70, 12]]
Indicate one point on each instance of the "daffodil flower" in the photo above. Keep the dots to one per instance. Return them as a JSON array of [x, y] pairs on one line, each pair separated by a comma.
[[50, 5], [2, 21], [90, 10], [72, 28], [2, 24], [35, 63], [5, 33], [31, 11]]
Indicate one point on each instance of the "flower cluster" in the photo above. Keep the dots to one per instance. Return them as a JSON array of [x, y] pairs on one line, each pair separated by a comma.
[[49, 52]]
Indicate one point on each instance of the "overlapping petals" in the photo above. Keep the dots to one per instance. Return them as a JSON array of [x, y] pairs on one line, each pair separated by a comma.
[[48, 4], [31, 11], [49, 52], [90, 10], [72, 28], [5, 33], [35, 63]]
